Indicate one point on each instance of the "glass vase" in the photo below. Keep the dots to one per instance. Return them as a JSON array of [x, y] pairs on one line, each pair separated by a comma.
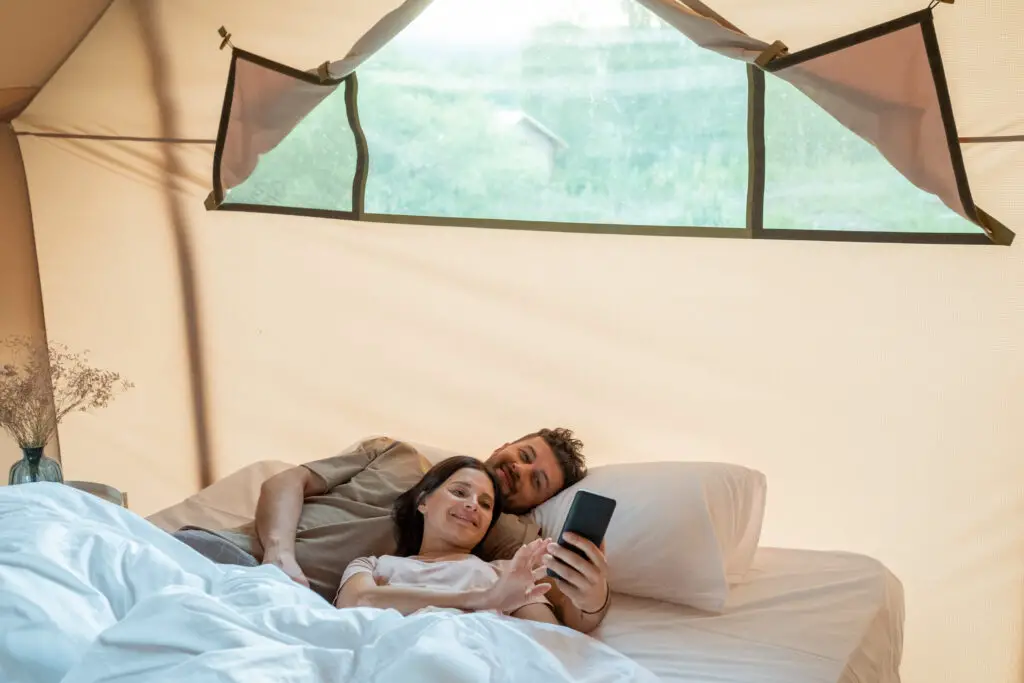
[[34, 466]]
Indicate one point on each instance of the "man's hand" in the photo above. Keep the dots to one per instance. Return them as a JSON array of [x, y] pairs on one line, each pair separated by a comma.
[[286, 562], [584, 579]]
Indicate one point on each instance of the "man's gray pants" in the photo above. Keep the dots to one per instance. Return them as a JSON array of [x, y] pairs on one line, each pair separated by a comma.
[[215, 548]]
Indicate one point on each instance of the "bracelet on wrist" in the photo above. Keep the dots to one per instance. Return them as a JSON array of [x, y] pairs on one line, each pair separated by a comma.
[[607, 599]]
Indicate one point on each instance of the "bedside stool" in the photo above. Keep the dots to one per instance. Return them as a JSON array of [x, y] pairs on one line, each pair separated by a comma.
[[107, 493]]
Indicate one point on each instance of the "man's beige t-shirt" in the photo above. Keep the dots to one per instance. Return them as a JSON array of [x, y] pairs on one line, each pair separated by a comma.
[[353, 518]]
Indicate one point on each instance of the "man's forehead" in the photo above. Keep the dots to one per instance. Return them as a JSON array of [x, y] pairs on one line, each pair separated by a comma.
[[537, 444], [541, 449]]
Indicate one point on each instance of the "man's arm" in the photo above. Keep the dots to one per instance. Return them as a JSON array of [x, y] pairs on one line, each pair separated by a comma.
[[572, 616], [279, 507], [277, 517]]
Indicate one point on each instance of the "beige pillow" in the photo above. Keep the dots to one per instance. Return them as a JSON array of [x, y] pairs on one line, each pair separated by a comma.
[[224, 504], [682, 532]]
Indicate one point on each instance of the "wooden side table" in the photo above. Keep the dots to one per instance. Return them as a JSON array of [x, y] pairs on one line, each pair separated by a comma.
[[107, 493]]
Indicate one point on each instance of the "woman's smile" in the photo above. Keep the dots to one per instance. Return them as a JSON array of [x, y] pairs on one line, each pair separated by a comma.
[[465, 517]]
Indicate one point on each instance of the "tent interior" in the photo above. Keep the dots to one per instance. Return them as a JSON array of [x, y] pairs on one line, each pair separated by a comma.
[[874, 381]]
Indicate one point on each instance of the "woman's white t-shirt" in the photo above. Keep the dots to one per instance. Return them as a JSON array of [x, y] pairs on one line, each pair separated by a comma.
[[467, 572]]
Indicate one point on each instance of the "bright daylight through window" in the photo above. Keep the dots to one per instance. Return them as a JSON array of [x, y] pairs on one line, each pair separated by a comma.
[[588, 111], [580, 111]]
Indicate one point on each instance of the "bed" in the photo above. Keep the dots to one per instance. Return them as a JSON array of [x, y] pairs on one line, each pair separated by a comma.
[[803, 617], [800, 616], [95, 594]]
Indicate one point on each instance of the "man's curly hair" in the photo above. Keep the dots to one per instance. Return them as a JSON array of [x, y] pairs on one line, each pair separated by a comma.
[[568, 451]]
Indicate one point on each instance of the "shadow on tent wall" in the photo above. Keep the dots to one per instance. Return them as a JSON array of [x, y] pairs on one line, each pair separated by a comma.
[[172, 167]]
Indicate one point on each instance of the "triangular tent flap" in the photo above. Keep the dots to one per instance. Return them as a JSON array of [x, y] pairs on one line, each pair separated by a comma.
[[265, 101], [887, 85]]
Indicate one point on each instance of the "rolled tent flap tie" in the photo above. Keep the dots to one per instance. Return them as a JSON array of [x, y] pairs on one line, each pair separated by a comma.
[[707, 29], [379, 35]]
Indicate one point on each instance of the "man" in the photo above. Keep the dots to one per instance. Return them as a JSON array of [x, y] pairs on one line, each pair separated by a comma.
[[312, 520]]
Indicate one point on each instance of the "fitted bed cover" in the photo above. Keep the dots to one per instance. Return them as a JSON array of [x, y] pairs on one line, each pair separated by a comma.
[[802, 616]]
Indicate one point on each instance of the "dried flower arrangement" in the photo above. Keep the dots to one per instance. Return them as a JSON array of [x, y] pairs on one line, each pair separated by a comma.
[[46, 385]]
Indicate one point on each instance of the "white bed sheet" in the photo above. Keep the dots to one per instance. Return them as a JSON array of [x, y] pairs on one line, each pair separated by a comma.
[[91, 593], [802, 617]]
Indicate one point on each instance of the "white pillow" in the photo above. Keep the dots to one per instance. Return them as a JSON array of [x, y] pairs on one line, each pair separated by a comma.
[[682, 532]]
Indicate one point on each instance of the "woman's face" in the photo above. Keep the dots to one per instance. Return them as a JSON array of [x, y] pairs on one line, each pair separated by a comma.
[[458, 512]]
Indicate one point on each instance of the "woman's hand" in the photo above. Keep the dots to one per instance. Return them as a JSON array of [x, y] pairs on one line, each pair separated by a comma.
[[517, 583]]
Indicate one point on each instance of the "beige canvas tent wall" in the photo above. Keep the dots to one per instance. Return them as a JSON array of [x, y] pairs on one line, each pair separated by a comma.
[[879, 386]]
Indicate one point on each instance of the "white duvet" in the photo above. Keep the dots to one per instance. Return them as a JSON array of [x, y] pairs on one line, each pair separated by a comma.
[[92, 593]]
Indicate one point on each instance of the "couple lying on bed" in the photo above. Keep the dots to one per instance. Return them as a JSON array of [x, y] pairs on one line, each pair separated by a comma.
[[380, 525]]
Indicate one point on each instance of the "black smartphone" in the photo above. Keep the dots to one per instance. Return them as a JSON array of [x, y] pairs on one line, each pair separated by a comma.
[[589, 516]]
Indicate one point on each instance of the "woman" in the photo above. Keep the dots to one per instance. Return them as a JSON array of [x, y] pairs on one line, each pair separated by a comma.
[[440, 524]]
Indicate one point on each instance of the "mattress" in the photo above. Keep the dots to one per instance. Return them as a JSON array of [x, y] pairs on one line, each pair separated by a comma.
[[802, 616]]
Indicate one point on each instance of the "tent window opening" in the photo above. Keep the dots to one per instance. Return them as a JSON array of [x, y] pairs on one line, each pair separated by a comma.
[[554, 110], [599, 116], [544, 110]]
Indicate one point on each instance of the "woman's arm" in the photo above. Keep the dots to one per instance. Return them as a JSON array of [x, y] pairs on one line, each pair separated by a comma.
[[362, 591], [515, 588]]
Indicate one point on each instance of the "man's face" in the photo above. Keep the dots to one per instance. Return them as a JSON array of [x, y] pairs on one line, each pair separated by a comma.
[[528, 472]]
